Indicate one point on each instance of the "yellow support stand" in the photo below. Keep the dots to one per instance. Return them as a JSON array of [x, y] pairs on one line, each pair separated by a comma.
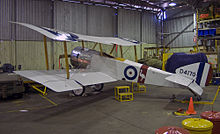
[[140, 88], [44, 92], [122, 93], [202, 102], [165, 58]]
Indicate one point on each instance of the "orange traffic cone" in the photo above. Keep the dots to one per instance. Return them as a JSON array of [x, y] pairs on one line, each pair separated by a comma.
[[191, 107]]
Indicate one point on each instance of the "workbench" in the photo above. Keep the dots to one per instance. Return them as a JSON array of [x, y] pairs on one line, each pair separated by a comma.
[[10, 84]]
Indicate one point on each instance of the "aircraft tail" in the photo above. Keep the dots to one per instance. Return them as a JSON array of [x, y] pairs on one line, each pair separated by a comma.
[[200, 72]]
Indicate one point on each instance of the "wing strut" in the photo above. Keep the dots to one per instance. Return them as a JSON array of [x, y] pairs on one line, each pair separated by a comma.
[[46, 54], [83, 46], [66, 60], [121, 51], [94, 46], [100, 46], [113, 48], [135, 54]]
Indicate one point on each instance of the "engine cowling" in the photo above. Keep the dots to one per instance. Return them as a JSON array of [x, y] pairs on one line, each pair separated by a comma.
[[81, 58]]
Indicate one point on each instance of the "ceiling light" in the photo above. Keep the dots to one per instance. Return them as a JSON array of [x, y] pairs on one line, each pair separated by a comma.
[[172, 4]]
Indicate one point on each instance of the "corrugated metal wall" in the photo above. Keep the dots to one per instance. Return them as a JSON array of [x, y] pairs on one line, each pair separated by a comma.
[[7, 48], [173, 26], [34, 12], [29, 48], [129, 24], [149, 25], [136, 25], [24, 46], [84, 19], [70, 17], [6, 14], [101, 21]]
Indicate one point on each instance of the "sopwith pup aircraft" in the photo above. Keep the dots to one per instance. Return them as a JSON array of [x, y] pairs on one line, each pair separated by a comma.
[[95, 68]]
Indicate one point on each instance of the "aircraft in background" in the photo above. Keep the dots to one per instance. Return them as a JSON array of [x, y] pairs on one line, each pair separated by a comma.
[[96, 68]]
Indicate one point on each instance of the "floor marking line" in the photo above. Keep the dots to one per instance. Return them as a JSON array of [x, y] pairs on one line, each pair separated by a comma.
[[48, 100]]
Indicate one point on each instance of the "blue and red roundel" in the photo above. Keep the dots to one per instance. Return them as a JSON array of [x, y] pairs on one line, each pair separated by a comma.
[[130, 72]]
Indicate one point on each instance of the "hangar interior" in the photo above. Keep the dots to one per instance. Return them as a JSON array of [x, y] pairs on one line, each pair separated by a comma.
[[161, 29]]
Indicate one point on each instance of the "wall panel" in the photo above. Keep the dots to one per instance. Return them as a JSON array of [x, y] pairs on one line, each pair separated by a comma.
[[149, 23], [37, 12], [7, 52], [6, 14], [70, 17], [173, 26], [101, 21], [129, 24], [30, 54]]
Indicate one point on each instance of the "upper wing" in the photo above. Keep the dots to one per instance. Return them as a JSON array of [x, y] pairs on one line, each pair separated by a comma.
[[69, 36], [50, 33], [56, 79], [107, 40]]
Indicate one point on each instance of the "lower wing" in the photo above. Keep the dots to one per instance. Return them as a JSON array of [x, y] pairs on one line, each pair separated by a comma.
[[56, 79]]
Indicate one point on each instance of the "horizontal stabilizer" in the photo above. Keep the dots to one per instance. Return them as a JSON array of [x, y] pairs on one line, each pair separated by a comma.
[[196, 88], [179, 79]]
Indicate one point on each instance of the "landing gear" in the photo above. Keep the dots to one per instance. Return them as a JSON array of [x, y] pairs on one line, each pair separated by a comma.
[[198, 98], [97, 87], [79, 92]]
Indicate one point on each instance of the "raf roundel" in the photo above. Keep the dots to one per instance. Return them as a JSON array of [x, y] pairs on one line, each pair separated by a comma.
[[130, 72]]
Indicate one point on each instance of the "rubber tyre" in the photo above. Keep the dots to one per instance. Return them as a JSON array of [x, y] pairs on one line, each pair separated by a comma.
[[97, 87], [79, 92], [198, 98]]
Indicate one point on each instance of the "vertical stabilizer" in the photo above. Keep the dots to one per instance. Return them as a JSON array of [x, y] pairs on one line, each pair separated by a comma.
[[200, 72]]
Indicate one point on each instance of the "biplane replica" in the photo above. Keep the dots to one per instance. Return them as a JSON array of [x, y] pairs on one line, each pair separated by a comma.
[[94, 68]]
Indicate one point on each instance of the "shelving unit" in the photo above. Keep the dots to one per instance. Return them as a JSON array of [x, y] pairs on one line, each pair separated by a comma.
[[209, 41]]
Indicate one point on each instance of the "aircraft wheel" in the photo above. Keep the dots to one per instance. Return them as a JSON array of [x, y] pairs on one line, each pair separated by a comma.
[[97, 87], [198, 98], [79, 92]]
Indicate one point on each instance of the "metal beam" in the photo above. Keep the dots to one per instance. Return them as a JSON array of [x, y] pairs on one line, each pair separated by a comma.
[[172, 18], [127, 3], [179, 34], [168, 34]]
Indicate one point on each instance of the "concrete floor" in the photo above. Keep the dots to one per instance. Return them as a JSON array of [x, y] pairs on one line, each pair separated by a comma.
[[97, 113]]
